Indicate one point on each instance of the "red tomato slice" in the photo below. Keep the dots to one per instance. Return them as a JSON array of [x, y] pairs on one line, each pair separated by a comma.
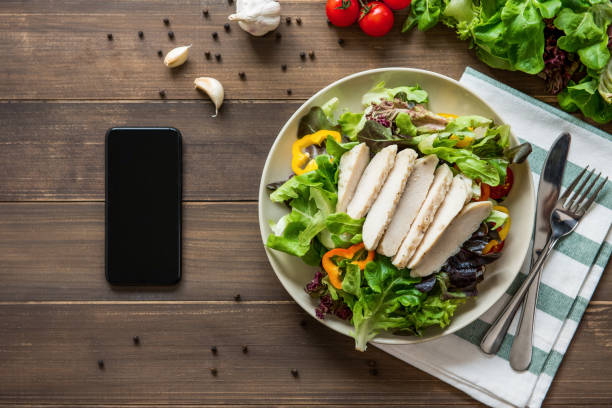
[[502, 190]]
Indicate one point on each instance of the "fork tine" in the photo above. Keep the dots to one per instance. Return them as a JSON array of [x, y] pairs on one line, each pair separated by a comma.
[[571, 201], [584, 207], [571, 186], [583, 198]]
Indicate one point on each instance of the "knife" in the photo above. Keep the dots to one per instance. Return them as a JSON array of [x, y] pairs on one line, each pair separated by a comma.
[[548, 193]]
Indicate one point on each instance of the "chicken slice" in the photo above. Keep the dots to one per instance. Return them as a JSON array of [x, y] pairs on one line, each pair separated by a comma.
[[442, 180], [383, 208], [459, 231], [409, 204], [371, 182], [352, 165], [453, 203]]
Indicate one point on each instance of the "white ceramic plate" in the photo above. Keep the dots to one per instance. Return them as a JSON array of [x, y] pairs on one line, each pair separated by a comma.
[[445, 95]]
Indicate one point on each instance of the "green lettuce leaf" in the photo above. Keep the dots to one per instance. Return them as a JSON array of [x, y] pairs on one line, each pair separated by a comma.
[[498, 218], [383, 302], [351, 124], [404, 124], [313, 121], [427, 12], [336, 150], [379, 92], [344, 230], [585, 96], [377, 137]]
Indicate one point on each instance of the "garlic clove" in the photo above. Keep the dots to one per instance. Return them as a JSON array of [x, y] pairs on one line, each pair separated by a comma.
[[177, 56], [213, 89]]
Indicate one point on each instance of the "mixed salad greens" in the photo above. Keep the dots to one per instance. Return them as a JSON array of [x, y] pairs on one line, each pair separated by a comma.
[[567, 42], [375, 295]]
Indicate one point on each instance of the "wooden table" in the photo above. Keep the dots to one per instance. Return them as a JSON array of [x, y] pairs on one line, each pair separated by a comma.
[[62, 84]]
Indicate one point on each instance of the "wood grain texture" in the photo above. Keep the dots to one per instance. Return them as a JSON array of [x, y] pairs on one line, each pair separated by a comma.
[[55, 150], [55, 252], [49, 354]]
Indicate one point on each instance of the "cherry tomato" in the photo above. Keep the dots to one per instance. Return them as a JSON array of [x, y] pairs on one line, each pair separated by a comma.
[[502, 190], [397, 4], [485, 192], [376, 19], [342, 13]]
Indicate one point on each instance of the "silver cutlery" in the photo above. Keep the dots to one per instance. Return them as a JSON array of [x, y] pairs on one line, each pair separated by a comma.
[[567, 213], [548, 193]]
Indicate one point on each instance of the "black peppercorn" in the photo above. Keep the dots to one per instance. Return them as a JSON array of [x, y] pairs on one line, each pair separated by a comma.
[[298, 20], [207, 54], [311, 54], [213, 349], [288, 20], [140, 34], [278, 35], [136, 340], [218, 57], [294, 372], [171, 34], [166, 21], [371, 363], [284, 67], [205, 12], [230, 2], [245, 349], [160, 53], [215, 35], [213, 371], [340, 41], [329, 23], [109, 36], [302, 55], [162, 93], [303, 322], [227, 27], [237, 297], [242, 75], [100, 364], [289, 92], [373, 371]]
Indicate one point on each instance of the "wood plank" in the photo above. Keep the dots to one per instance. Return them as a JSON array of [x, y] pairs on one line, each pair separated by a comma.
[[74, 59], [49, 354], [55, 252], [55, 151]]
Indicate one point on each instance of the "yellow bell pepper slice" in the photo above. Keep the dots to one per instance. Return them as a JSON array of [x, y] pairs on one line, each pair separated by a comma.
[[503, 232], [466, 141], [300, 161]]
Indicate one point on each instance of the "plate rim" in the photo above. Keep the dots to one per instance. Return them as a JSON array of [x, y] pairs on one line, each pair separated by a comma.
[[262, 193]]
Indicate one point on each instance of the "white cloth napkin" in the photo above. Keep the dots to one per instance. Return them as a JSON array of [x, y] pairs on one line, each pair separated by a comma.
[[568, 280]]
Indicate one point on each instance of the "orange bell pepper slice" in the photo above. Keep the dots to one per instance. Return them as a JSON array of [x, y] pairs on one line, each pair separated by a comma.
[[333, 271]]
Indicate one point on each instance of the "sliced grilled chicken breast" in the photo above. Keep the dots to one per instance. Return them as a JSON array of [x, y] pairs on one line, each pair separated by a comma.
[[453, 203], [383, 208], [459, 231], [409, 204], [442, 180], [352, 165], [371, 182]]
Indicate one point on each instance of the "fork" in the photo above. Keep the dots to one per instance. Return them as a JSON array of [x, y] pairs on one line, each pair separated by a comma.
[[567, 213]]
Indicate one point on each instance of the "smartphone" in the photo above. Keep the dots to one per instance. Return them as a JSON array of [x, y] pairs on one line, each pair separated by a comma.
[[143, 206]]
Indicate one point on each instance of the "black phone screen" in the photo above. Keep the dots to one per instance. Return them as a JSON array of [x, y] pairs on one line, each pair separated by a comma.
[[143, 206]]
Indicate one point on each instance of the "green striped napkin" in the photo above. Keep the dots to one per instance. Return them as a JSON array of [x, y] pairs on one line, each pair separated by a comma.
[[568, 280]]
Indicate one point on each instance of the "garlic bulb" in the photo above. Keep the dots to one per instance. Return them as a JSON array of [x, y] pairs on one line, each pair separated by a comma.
[[257, 17], [177, 56], [213, 89]]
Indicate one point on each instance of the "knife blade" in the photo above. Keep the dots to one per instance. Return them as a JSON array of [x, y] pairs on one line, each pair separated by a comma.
[[548, 193]]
